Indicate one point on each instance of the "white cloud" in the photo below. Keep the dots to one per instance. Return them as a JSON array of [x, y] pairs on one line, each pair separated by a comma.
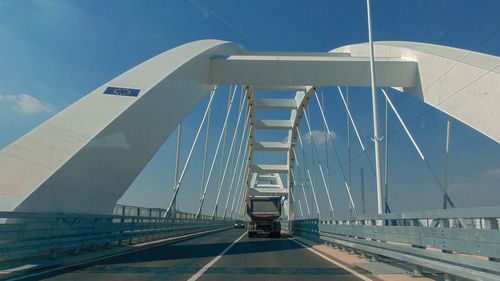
[[492, 173], [318, 137], [25, 104]]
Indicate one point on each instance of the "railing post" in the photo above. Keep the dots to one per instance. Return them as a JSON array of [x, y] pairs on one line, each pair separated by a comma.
[[491, 223], [417, 271]]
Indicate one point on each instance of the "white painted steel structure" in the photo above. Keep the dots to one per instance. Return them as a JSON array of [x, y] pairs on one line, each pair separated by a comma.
[[83, 159]]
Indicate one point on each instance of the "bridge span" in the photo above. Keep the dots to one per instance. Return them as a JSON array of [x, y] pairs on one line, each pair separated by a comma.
[[61, 182]]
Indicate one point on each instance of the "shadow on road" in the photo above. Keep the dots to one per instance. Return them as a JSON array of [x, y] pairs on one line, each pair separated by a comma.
[[199, 250]]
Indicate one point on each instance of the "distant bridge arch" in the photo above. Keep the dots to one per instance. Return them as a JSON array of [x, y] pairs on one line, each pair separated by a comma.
[[84, 158]]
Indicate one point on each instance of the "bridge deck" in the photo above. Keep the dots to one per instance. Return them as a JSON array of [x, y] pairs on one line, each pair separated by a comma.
[[248, 259]]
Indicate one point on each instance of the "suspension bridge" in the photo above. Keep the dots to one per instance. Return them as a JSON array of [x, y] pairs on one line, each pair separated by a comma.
[[61, 182]]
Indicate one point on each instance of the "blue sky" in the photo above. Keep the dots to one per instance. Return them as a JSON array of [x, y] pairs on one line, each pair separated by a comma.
[[54, 52]]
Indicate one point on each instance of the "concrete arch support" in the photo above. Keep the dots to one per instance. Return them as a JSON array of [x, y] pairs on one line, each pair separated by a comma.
[[84, 158], [461, 83]]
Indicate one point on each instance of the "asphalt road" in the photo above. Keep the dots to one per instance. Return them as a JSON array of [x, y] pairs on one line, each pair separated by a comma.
[[255, 259]]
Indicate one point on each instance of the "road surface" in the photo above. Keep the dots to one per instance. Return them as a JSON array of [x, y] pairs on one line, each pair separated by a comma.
[[255, 259]]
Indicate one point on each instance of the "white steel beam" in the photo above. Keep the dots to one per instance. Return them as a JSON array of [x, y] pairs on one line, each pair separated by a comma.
[[267, 191], [273, 124], [271, 146], [278, 88], [275, 103], [263, 169], [261, 70]]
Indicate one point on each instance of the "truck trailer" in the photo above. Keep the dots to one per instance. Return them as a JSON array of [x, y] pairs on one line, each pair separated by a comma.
[[264, 213]]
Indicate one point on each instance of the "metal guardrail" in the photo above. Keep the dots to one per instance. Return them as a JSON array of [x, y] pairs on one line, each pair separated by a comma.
[[127, 210], [25, 234], [457, 242]]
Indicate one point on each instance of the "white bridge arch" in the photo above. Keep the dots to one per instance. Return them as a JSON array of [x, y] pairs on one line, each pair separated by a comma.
[[84, 158]]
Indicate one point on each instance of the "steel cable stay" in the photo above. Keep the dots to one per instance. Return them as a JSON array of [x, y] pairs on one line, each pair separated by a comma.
[[177, 159], [244, 186], [431, 170], [308, 174], [230, 154], [349, 114], [347, 181], [190, 154], [241, 174], [334, 147], [325, 135], [314, 193], [243, 167], [237, 161], [315, 152], [223, 153], [293, 193], [339, 162], [447, 198], [205, 154], [224, 127], [302, 173]]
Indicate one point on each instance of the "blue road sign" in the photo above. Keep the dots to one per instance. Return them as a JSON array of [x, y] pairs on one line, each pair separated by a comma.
[[127, 92]]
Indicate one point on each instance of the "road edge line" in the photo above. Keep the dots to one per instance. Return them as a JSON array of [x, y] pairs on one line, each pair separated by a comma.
[[350, 270]]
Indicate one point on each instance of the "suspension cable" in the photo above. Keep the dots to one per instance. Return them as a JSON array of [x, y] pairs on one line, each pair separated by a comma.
[[236, 166], [346, 106], [315, 152], [314, 193], [348, 188], [177, 160], [244, 187], [244, 166], [434, 175], [188, 160], [230, 154], [325, 135], [303, 173], [231, 97], [207, 136]]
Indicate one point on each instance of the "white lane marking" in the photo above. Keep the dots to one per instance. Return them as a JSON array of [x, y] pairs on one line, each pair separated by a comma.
[[212, 262], [19, 268], [357, 274]]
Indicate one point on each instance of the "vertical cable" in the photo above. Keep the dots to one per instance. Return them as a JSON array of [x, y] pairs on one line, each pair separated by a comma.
[[243, 143], [231, 97], [230, 154], [190, 154], [177, 159]]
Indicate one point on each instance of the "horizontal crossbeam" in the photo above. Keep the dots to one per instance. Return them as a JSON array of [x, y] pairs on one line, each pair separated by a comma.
[[300, 70], [267, 169], [271, 146], [275, 103], [273, 124]]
